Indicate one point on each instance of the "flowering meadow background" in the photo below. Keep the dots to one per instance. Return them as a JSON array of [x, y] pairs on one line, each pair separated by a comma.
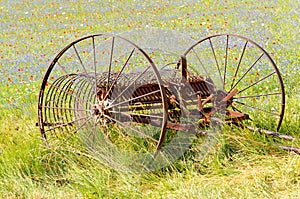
[[33, 32]]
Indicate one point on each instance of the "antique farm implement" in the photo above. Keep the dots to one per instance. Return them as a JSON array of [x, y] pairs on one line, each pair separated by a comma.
[[106, 86]]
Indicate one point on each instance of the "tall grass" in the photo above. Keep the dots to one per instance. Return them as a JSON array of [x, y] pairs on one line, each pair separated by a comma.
[[243, 164]]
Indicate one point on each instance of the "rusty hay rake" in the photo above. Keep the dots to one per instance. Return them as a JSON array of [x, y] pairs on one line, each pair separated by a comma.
[[104, 85]]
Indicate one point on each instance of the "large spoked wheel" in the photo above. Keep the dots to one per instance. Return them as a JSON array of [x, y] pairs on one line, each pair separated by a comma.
[[243, 70], [97, 89]]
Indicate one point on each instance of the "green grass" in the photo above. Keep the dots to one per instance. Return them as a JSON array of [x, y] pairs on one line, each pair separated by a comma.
[[243, 164]]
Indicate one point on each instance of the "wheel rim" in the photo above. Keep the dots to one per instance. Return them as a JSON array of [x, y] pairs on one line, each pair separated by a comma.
[[235, 62], [92, 86]]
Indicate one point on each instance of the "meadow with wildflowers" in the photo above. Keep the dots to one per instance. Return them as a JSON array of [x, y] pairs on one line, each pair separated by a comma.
[[243, 165]]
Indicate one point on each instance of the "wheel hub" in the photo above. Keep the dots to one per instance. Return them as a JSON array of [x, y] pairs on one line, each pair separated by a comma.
[[99, 109]]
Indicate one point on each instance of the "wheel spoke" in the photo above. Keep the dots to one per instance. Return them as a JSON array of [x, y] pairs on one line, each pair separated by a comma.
[[115, 80], [64, 108], [94, 128], [217, 64], [226, 59], [107, 134], [129, 127], [254, 107], [256, 96], [131, 83], [126, 101], [136, 114], [238, 66], [265, 77], [247, 71], [236, 109], [110, 60], [203, 67], [67, 123], [63, 68], [77, 129], [95, 64], [80, 60]]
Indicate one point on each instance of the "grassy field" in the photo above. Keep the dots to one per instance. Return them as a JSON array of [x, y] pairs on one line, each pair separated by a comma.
[[243, 165]]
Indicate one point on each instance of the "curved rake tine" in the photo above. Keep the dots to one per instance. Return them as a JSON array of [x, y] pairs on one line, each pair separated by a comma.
[[290, 148], [279, 135], [272, 133]]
